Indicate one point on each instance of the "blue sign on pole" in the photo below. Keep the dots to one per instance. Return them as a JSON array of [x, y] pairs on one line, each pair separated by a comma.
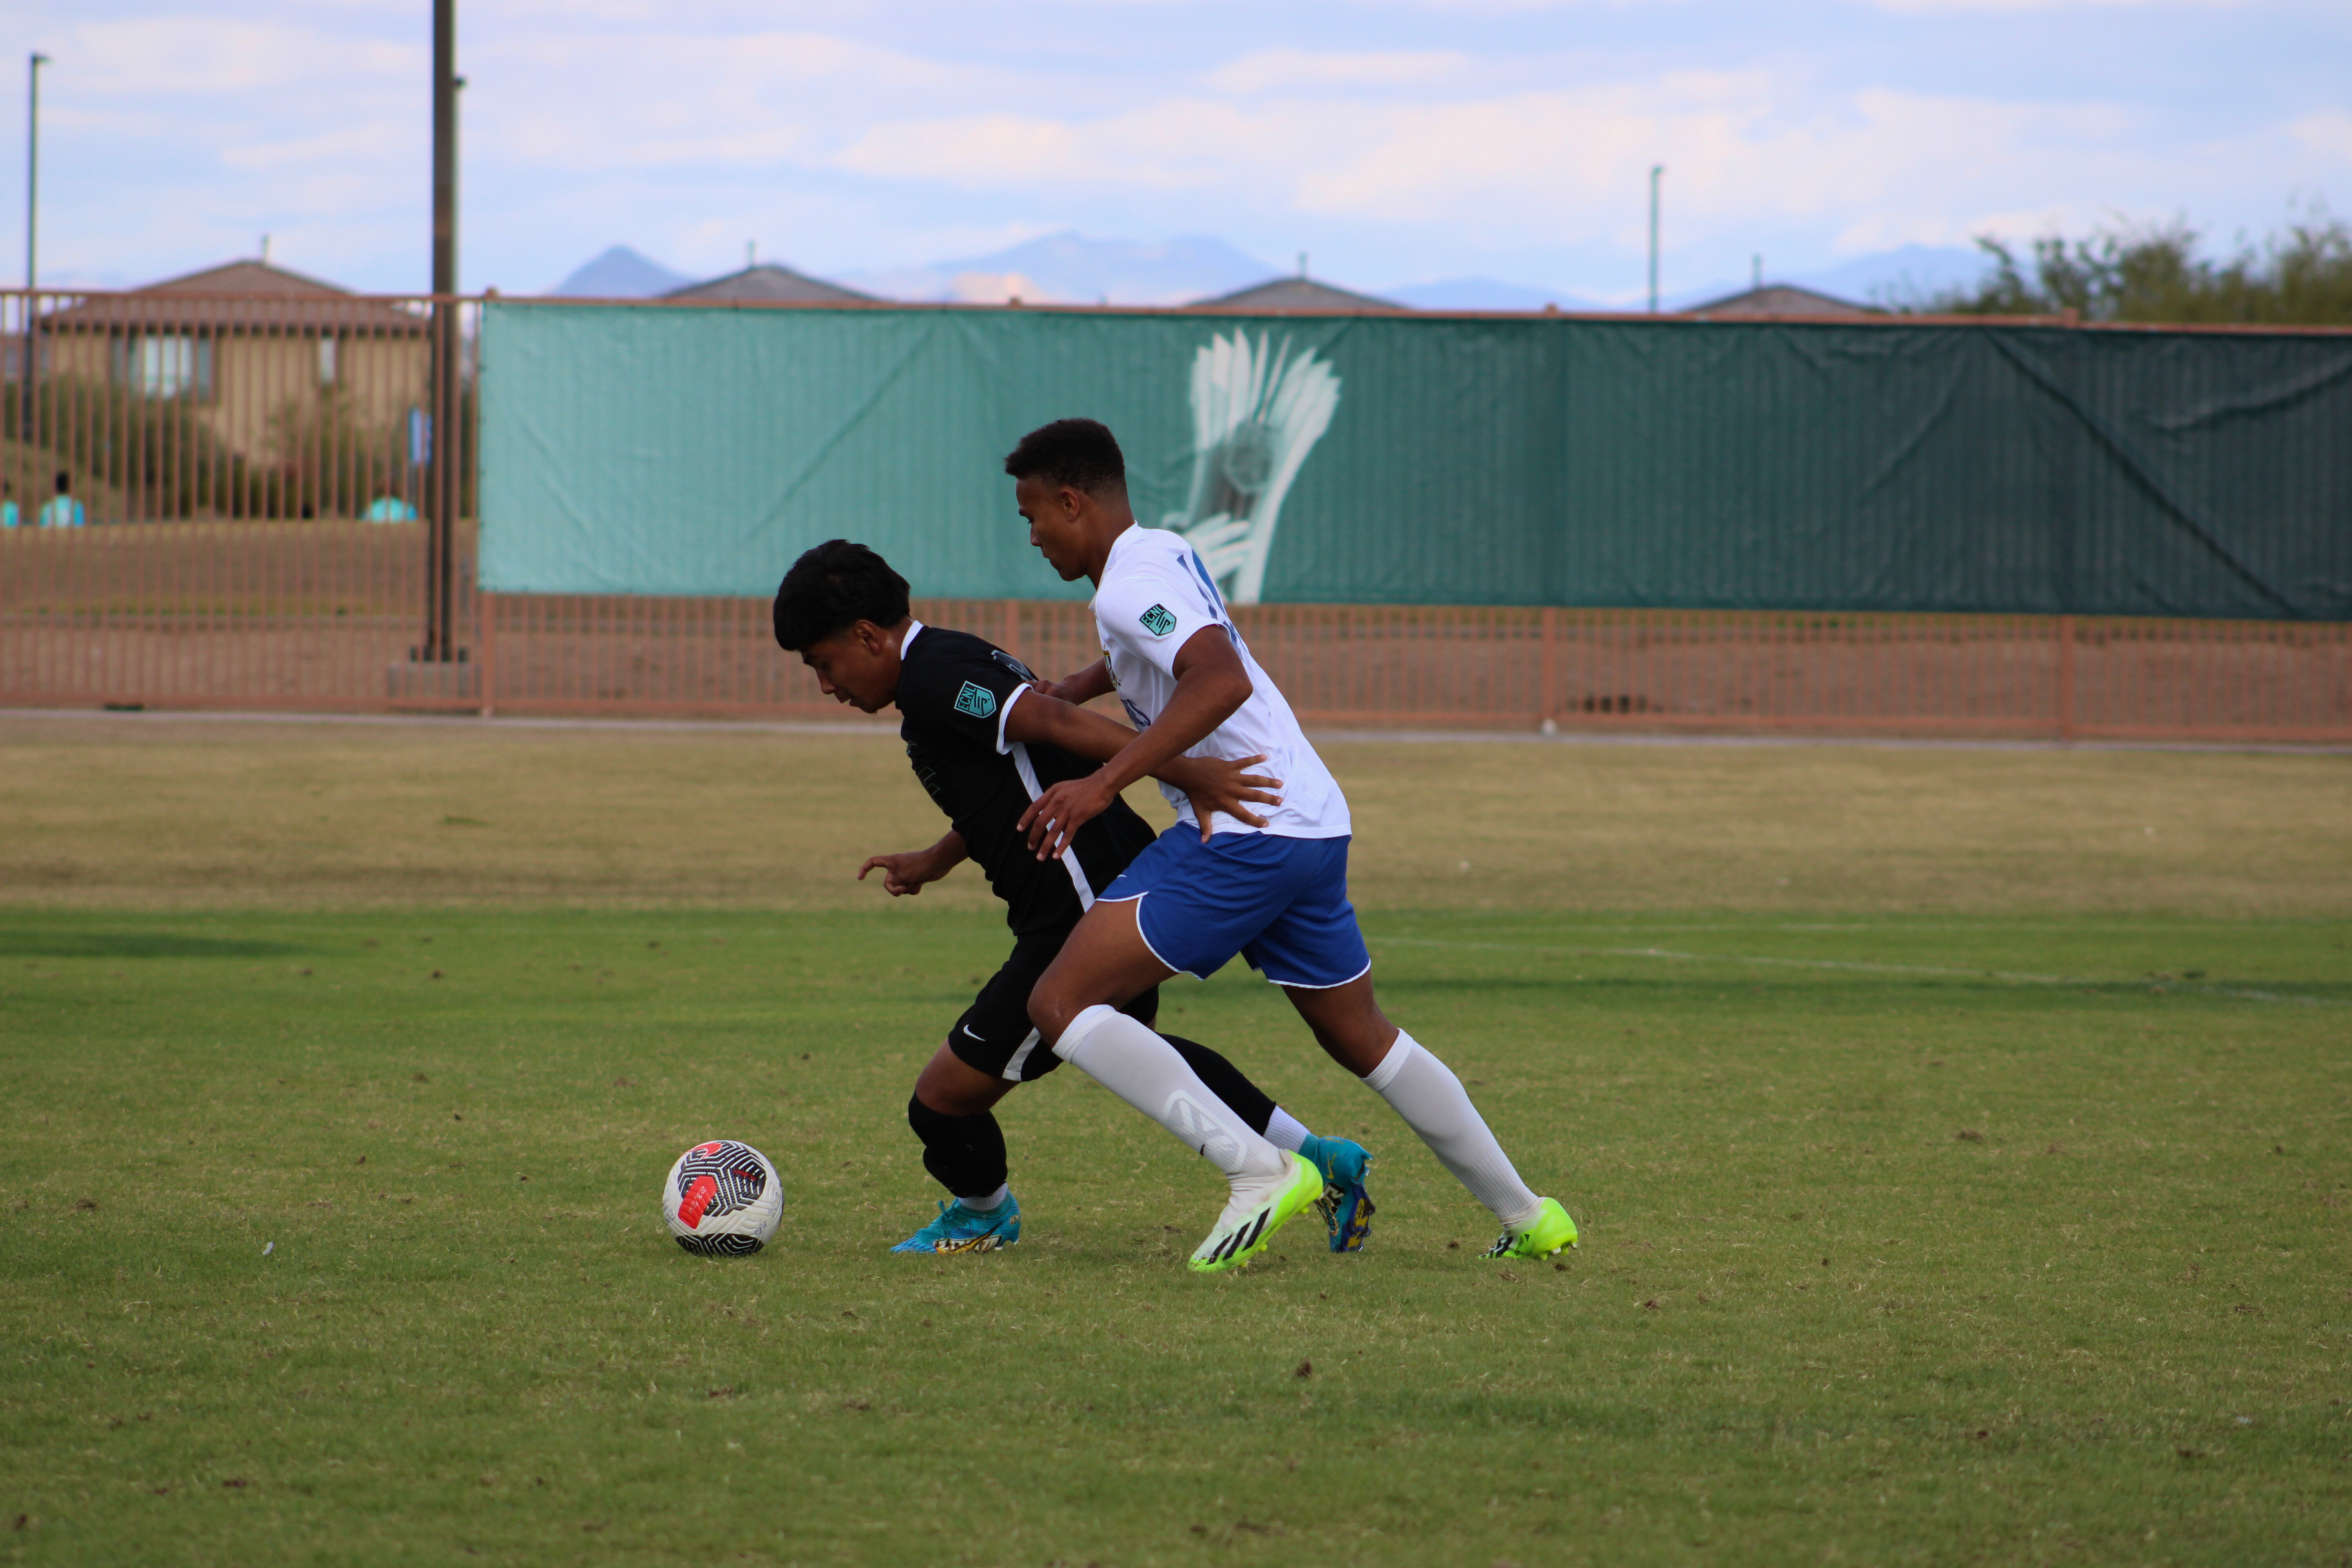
[[420, 438]]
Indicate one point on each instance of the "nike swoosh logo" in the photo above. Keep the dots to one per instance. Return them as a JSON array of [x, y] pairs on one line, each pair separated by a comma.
[[967, 1029]]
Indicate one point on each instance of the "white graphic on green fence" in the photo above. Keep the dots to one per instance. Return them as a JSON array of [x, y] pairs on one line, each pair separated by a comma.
[[1257, 411]]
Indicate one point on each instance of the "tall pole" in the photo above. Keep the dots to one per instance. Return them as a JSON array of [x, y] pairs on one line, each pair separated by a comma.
[[33, 168], [448, 457], [1655, 171], [32, 247]]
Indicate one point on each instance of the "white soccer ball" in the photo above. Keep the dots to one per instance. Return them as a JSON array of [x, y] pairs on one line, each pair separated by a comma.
[[723, 1199]]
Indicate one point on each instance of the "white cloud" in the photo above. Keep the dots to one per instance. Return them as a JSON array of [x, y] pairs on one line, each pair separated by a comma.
[[211, 57], [1389, 137], [1294, 68], [2329, 134]]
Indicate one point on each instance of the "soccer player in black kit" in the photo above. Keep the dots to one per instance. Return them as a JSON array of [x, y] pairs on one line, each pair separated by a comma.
[[985, 743]]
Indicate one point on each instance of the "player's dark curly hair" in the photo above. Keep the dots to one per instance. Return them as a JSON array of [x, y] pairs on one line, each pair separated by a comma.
[[1080, 453], [833, 587]]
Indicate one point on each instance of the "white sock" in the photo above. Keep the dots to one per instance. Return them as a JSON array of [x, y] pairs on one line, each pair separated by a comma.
[[987, 1202], [1285, 1132], [1425, 1091], [1147, 1073]]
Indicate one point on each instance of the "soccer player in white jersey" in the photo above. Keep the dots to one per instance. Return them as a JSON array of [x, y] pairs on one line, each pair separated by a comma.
[[1276, 894]]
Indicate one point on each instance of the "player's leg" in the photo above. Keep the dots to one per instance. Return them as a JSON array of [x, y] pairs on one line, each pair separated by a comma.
[[1108, 960], [1104, 963], [1316, 955], [952, 1112], [990, 1050], [1342, 1163]]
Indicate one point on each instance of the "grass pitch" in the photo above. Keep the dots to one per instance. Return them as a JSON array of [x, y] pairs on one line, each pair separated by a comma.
[[1910, 1234]]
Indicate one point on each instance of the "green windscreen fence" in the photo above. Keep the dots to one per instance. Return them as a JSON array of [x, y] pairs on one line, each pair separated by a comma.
[[673, 450]]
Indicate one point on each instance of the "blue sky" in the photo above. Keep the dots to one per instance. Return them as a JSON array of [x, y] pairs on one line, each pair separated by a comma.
[[1394, 140]]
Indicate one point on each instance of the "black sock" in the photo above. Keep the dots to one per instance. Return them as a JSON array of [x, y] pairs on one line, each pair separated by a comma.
[[1248, 1101], [965, 1154]]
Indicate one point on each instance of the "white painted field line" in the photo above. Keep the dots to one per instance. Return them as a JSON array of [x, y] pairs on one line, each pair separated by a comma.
[[2006, 976]]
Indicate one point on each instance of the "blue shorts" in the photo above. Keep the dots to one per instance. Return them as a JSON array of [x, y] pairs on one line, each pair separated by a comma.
[[1282, 903]]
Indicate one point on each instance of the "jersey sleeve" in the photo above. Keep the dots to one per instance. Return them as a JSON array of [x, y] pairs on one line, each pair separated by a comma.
[[962, 694], [1152, 609]]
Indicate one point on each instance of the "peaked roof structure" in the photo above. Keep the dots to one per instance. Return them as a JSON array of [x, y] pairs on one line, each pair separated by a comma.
[[1782, 300], [1297, 294], [239, 296], [769, 281]]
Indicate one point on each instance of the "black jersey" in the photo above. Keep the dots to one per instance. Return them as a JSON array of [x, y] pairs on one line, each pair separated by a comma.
[[954, 691]]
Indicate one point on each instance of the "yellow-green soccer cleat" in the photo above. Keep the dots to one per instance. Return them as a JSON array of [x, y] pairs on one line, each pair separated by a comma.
[[1551, 1231], [1252, 1216]]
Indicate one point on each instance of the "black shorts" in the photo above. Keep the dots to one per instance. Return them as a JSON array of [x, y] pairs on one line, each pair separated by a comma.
[[994, 1035]]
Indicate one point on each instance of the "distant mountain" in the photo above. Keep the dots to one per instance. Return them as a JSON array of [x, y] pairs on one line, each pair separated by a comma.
[[1486, 294], [1906, 274], [620, 274], [1069, 269]]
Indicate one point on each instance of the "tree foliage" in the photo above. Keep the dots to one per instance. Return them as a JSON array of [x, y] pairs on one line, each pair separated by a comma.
[[2299, 276]]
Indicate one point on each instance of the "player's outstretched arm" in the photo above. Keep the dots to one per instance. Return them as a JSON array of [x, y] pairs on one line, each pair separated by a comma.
[[1212, 783], [1083, 687], [904, 874], [1211, 684]]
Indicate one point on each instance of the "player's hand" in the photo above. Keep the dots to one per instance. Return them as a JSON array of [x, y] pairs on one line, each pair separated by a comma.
[[1213, 784], [1054, 818], [904, 874]]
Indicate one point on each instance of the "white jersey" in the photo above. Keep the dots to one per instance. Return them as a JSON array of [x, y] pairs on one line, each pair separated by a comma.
[[1155, 593]]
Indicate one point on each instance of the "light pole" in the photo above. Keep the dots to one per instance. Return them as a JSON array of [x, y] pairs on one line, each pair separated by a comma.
[[445, 491], [32, 218], [32, 162], [1655, 171]]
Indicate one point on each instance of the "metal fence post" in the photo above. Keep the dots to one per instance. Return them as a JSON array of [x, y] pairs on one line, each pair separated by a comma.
[[447, 490], [1549, 682], [2065, 677]]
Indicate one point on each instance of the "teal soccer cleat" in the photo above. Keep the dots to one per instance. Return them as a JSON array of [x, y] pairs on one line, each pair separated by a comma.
[[1345, 1206], [959, 1229]]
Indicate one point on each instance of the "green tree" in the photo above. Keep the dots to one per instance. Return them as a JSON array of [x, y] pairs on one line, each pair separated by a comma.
[[2300, 276]]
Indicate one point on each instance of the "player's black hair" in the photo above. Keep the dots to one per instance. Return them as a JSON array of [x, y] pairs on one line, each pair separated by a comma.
[[834, 586], [1080, 453]]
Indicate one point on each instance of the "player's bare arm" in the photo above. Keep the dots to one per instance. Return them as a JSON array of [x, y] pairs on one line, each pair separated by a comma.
[[1212, 784], [904, 874], [1083, 687], [1211, 684]]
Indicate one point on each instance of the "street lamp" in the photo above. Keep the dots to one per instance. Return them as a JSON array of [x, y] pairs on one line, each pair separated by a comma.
[[32, 217], [1655, 171], [32, 160]]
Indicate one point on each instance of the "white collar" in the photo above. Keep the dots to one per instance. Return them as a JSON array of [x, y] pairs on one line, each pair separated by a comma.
[[913, 626]]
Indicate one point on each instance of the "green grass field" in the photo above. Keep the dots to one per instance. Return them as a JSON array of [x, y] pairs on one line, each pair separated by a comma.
[[1937, 1208]]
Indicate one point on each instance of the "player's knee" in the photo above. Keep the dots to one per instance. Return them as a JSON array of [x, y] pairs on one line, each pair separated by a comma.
[[1049, 1010]]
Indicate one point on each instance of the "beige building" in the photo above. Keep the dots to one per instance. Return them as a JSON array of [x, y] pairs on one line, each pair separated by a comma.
[[273, 362]]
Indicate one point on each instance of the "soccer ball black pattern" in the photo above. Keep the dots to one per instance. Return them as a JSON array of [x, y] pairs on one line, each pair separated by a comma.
[[722, 1199]]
